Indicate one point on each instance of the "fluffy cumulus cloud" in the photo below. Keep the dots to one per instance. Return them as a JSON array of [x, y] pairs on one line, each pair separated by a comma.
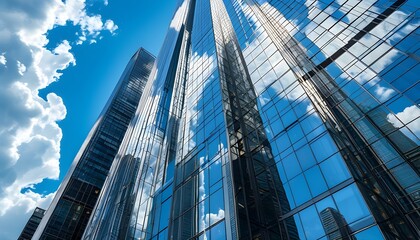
[[409, 116], [214, 217], [29, 134], [110, 26], [3, 60]]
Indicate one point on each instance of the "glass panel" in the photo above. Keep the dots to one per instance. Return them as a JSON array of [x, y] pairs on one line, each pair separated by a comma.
[[299, 227], [300, 189], [216, 207], [295, 133], [369, 234], [305, 156], [350, 196], [203, 215], [282, 142], [325, 203], [280, 169], [163, 235], [323, 147], [291, 166], [289, 195], [316, 181], [203, 184], [311, 223], [215, 171], [334, 170], [218, 231], [164, 214], [204, 236]]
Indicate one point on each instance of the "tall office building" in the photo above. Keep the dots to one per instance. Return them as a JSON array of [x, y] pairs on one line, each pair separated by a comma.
[[32, 224], [335, 225], [274, 120], [72, 206]]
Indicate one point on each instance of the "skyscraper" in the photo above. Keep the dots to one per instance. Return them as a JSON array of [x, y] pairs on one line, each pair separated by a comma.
[[72, 206], [335, 225], [262, 117], [32, 224]]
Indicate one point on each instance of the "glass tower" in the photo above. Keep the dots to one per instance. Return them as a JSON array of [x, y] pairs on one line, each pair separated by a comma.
[[72, 206], [32, 224], [274, 120]]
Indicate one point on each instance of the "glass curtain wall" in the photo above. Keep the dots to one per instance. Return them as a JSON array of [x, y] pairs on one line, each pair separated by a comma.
[[139, 171], [270, 119]]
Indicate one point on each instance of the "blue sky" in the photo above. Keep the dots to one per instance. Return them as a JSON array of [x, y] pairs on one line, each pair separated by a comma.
[[59, 62], [86, 87]]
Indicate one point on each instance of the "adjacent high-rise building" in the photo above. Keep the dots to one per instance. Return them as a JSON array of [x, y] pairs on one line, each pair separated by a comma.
[[72, 206], [32, 224], [270, 119]]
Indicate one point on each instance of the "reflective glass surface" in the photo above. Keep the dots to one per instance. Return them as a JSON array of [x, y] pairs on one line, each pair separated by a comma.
[[268, 119]]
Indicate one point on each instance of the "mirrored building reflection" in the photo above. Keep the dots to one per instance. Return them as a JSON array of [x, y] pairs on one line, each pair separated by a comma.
[[72, 206], [335, 225], [274, 119]]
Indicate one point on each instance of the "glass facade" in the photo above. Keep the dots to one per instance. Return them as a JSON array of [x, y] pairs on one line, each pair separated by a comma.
[[270, 119], [73, 204]]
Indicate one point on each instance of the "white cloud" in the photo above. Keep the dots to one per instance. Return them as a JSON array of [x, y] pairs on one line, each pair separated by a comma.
[[21, 68], [407, 116], [91, 25], [383, 93], [110, 26], [106, 2], [214, 217], [29, 134], [81, 40], [3, 60], [23, 209]]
